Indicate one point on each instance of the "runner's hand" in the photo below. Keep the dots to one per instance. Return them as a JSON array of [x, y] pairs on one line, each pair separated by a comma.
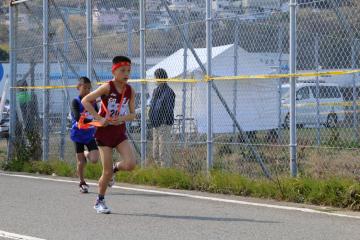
[[118, 121], [104, 122]]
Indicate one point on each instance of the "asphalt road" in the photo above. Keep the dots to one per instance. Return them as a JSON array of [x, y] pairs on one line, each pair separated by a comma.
[[46, 209]]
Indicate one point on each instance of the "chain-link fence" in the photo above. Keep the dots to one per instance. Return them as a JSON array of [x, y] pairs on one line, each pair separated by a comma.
[[328, 137], [250, 116]]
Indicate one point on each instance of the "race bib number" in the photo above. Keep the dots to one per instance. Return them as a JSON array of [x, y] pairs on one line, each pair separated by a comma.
[[113, 108]]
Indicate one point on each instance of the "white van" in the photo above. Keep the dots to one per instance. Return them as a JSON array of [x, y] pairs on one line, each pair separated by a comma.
[[330, 101]]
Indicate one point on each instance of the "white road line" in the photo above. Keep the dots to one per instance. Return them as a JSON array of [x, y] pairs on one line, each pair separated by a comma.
[[273, 206], [9, 235]]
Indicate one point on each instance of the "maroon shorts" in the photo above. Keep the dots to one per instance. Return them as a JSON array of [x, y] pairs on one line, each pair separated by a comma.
[[110, 136]]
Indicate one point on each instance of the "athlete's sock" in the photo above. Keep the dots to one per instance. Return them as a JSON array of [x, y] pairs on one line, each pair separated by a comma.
[[100, 197]]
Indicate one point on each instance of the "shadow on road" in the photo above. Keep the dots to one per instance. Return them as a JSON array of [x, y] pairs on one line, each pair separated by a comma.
[[136, 194], [196, 218]]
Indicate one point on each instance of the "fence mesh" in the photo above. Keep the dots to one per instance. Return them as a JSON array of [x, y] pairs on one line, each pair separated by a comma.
[[250, 116], [327, 111]]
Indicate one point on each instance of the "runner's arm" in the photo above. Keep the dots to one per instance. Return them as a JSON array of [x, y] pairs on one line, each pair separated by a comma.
[[88, 100]]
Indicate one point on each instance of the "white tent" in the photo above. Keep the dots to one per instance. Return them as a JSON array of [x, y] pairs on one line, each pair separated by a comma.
[[255, 101]]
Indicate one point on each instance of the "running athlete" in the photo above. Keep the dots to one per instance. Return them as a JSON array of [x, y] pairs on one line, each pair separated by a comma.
[[117, 98], [81, 133]]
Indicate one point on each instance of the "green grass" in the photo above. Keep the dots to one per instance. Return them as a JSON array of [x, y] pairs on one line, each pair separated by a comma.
[[60, 168], [335, 192], [169, 178]]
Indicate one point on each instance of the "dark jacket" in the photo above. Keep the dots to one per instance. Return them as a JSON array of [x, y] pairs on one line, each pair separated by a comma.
[[162, 104]]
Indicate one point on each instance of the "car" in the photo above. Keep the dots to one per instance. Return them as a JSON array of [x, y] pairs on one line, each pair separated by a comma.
[[5, 122], [331, 104]]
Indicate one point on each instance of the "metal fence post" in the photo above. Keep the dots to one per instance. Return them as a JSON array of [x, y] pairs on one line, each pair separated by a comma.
[[45, 138], [185, 59], [12, 42], [293, 141], [280, 49], [354, 92], [64, 73], [236, 45], [209, 86], [89, 62], [317, 91], [63, 126], [143, 84], [129, 32]]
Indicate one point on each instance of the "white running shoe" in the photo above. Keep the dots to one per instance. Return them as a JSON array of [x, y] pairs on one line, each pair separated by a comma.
[[84, 188], [101, 207]]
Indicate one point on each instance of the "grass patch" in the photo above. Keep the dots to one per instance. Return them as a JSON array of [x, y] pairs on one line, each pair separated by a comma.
[[93, 171], [162, 177], [335, 192], [60, 168]]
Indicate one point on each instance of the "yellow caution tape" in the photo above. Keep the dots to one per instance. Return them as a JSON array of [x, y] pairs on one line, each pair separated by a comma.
[[175, 80], [209, 78], [45, 87], [273, 76]]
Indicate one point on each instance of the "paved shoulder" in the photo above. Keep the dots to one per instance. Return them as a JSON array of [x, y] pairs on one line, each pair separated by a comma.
[[56, 210]]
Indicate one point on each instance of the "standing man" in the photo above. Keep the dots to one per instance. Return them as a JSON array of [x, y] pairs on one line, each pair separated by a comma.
[[161, 115]]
